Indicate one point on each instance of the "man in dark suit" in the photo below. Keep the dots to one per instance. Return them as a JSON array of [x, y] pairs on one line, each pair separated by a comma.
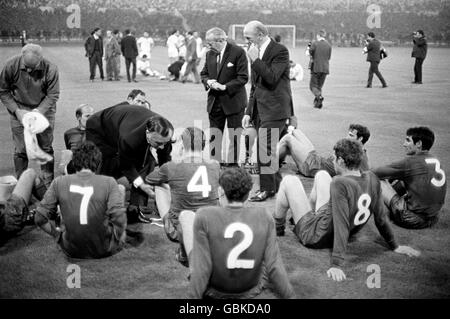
[[419, 52], [224, 75], [126, 135], [191, 58], [129, 48], [270, 104], [373, 56], [320, 52], [94, 51]]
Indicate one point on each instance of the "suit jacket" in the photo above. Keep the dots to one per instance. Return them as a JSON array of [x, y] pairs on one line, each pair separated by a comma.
[[233, 73], [320, 53], [112, 48], [129, 48], [122, 128], [270, 94], [89, 45], [191, 50], [373, 51], [420, 48]]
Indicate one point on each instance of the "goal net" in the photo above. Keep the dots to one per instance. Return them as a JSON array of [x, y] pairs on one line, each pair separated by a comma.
[[286, 32]]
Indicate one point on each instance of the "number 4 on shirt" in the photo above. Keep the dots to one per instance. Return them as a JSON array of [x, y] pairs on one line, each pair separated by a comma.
[[199, 182]]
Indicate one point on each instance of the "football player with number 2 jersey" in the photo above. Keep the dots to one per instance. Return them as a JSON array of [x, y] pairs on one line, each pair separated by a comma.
[[337, 207], [422, 180]]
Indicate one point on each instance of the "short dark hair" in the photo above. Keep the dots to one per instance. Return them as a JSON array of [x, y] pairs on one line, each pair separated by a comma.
[[371, 34], [351, 152], [421, 133], [361, 131], [135, 93], [190, 32], [421, 32], [95, 30], [79, 110], [193, 139], [160, 125], [237, 184], [127, 31], [86, 156], [277, 38], [116, 31]]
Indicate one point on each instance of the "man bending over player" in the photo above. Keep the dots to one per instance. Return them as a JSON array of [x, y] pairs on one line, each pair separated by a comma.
[[93, 218], [188, 184], [305, 156], [337, 207], [421, 185], [233, 249]]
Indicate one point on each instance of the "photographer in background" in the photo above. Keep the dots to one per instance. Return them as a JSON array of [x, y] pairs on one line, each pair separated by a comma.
[[419, 52]]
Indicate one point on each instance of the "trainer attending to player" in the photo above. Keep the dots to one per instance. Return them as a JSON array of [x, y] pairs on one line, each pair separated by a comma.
[[93, 219], [372, 49], [224, 76], [126, 135], [219, 266], [29, 82], [320, 53], [336, 208], [188, 184], [419, 52], [418, 193], [308, 162]]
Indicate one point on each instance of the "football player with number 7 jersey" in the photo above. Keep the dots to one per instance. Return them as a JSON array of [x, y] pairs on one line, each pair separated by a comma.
[[93, 218], [337, 207], [421, 176]]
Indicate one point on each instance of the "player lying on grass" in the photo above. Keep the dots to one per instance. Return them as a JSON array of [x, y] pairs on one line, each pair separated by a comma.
[[93, 218], [308, 161], [232, 249], [337, 207], [420, 185], [188, 184], [14, 212]]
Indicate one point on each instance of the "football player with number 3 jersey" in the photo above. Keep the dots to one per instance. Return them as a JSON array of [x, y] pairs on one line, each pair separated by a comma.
[[337, 207], [93, 218], [423, 180], [232, 249]]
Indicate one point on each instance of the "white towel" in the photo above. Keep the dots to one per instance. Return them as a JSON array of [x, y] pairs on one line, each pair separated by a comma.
[[34, 123]]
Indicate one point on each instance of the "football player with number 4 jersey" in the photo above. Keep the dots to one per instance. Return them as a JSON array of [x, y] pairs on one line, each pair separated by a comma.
[[421, 176], [232, 249], [337, 207], [93, 218]]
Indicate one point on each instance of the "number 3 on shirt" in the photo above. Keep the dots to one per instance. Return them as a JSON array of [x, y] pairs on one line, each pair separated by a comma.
[[437, 182], [363, 213], [87, 193], [232, 261], [204, 187]]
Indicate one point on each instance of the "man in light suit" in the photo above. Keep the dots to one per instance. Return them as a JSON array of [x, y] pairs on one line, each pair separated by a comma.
[[94, 51], [129, 49], [191, 58], [224, 75], [373, 56], [320, 52], [270, 104]]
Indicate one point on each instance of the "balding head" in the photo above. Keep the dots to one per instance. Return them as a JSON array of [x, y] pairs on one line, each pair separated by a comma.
[[255, 32], [32, 55]]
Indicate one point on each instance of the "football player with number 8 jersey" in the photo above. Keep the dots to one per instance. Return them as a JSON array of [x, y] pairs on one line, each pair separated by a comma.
[[337, 207], [421, 176]]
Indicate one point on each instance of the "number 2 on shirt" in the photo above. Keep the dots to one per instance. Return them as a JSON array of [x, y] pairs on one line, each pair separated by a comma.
[[87, 193], [232, 261], [203, 186], [363, 213], [437, 182]]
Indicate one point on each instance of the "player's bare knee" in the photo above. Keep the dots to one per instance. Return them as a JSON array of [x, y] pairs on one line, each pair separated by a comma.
[[185, 216]]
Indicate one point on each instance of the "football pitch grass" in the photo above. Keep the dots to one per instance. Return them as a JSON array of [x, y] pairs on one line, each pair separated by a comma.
[[32, 266]]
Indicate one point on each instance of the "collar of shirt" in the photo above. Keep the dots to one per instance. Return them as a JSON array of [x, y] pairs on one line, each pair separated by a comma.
[[263, 47], [22, 66], [96, 37]]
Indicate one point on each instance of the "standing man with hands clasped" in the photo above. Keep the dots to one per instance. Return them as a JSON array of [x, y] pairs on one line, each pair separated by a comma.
[[419, 52], [270, 104], [224, 75]]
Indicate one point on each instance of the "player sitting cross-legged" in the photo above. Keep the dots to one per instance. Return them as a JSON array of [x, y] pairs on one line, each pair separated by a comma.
[[232, 248], [305, 156], [93, 218], [189, 184], [337, 207], [420, 182]]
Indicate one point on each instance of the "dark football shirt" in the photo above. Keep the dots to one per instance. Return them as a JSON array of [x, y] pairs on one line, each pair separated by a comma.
[[232, 246], [424, 180]]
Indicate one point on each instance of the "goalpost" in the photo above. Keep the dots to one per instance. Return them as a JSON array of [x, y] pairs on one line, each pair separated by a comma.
[[286, 31]]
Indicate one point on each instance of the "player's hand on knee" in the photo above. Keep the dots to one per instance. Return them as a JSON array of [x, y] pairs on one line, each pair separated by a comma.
[[336, 274], [246, 121], [406, 250], [148, 189]]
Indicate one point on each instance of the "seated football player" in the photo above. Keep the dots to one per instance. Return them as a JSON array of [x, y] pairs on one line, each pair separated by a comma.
[[187, 184], [308, 161], [419, 182], [337, 208], [14, 212], [232, 248], [74, 137], [93, 218]]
